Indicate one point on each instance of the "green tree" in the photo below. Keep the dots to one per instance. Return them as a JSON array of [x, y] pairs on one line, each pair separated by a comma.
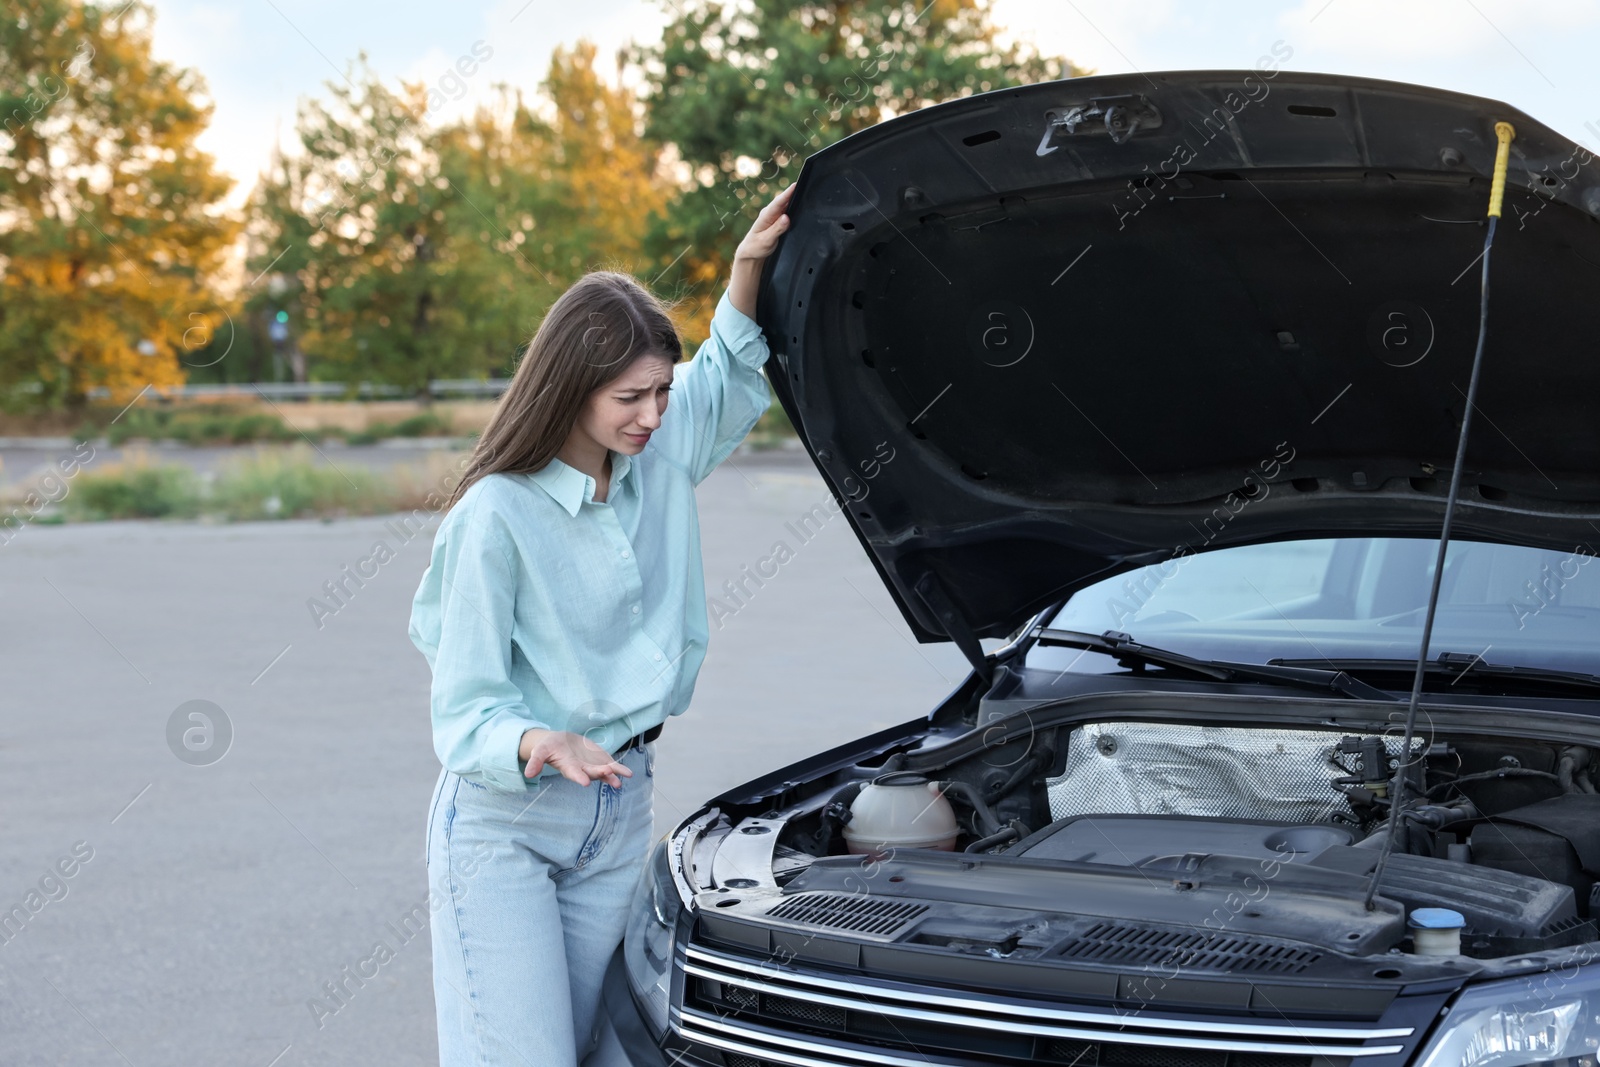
[[110, 231], [746, 91], [407, 252], [351, 230]]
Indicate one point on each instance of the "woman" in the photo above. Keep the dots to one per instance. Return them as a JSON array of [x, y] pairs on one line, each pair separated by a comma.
[[563, 614]]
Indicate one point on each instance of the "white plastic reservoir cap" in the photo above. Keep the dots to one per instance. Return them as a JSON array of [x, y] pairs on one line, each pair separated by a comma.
[[1436, 931]]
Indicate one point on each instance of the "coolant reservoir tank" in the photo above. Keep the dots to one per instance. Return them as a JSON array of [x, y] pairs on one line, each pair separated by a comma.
[[901, 809]]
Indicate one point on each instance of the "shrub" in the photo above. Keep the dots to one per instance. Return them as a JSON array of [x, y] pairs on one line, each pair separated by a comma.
[[286, 483], [138, 422], [423, 424], [133, 489], [258, 426]]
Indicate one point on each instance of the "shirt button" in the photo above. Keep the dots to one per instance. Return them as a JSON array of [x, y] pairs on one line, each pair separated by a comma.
[[624, 553], [636, 609], [658, 657]]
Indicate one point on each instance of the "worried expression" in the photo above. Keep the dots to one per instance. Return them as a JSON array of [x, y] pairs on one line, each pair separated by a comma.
[[622, 414]]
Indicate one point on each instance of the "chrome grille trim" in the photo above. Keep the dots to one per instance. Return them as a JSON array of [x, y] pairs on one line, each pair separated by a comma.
[[1043, 1020], [778, 1044], [836, 1056]]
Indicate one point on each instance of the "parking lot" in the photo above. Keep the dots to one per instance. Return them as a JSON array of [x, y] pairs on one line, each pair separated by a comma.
[[210, 903]]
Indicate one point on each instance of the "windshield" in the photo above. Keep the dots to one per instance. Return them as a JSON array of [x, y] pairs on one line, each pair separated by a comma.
[[1348, 598]]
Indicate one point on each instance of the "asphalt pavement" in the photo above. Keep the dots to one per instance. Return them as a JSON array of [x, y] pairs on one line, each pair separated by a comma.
[[210, 899]]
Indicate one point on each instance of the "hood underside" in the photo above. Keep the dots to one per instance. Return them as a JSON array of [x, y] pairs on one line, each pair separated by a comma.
[[1037, 336]]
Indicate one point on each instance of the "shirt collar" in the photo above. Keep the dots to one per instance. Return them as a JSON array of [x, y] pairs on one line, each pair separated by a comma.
[[570, 487]]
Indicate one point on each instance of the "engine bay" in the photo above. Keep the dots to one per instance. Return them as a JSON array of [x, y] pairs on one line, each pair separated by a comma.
[[1153, 823]]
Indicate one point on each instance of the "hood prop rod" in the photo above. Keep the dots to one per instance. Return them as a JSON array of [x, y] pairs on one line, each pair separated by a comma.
[[938, 600], [1504, 132]]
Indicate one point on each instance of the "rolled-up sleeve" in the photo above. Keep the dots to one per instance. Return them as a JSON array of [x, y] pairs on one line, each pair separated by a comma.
[[462, 619], [720, 393]]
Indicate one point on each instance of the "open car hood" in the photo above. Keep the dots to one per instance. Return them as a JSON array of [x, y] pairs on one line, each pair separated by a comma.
[[1039, 335]]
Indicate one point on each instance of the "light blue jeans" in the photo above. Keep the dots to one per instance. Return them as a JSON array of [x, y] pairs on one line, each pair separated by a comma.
[[535, 889]]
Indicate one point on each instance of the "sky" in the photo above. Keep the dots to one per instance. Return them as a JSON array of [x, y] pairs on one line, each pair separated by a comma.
[[259, 57]]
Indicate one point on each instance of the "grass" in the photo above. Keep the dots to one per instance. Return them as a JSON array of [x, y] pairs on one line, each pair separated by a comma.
[[291, 483], [422, 424], [224, 424], [200, 424], [133, 490], [268, 484], [285, 482]]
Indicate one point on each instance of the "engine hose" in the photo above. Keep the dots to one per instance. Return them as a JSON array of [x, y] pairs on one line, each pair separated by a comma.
[[1439, 816], [980, 809], [1007, 834], [1499, 772], [835, 814], [1024, 771]]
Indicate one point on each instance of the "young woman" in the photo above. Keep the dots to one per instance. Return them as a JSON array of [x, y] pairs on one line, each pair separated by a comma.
[[563, 615]]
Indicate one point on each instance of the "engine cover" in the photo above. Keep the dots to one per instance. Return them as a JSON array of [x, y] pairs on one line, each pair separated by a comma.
[[1147, 840]]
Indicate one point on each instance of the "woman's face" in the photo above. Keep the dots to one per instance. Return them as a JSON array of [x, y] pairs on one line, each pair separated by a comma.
[[622, 414]]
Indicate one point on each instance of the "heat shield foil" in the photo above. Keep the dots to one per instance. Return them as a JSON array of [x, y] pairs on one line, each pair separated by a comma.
[[1133, 768]]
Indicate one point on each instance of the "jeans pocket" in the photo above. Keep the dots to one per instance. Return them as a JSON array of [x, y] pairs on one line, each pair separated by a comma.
[[433, 813]]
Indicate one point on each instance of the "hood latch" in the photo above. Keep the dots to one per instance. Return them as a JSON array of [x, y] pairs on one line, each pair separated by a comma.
[[1118, 117]]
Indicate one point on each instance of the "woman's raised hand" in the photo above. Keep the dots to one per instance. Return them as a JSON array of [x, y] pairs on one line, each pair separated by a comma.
[[769, 226], [753, 251], [574, 755]]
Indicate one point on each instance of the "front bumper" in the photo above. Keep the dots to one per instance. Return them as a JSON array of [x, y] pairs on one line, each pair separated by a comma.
[[625, 1039]]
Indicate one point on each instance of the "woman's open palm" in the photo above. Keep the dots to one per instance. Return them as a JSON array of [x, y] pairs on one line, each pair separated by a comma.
[[574, 755]]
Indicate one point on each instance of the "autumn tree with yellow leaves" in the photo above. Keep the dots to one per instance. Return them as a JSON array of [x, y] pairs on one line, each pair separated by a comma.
[[110, 231], [393, 249]]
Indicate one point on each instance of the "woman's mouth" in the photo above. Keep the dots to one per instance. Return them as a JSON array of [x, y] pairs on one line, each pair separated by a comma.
[[637, 438]]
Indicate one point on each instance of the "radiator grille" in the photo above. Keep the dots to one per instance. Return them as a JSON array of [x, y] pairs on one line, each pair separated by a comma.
[[750, 1012]]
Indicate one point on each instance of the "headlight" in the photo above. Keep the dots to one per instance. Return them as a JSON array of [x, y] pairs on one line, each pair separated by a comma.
[[647, 944], [1546, 1019]]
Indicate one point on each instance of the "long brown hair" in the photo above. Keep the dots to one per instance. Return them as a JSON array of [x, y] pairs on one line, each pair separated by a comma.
[[589, 337]]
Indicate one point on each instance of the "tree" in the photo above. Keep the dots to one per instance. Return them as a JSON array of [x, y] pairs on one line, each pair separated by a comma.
[[607, 179], [746, 91], [110, 230], [351, 229], [413, 252]]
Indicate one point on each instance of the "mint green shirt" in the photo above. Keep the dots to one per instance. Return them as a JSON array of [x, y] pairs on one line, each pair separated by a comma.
[[542, 607]]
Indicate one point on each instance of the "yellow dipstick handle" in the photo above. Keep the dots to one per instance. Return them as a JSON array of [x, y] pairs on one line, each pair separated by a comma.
[[1503, 131]]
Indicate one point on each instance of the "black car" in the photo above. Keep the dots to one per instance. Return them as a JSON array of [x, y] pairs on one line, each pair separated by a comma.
[[1159, 378]]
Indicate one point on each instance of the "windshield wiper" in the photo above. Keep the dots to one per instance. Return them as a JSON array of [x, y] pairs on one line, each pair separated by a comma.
[[1456, 664], [1130, 653]]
